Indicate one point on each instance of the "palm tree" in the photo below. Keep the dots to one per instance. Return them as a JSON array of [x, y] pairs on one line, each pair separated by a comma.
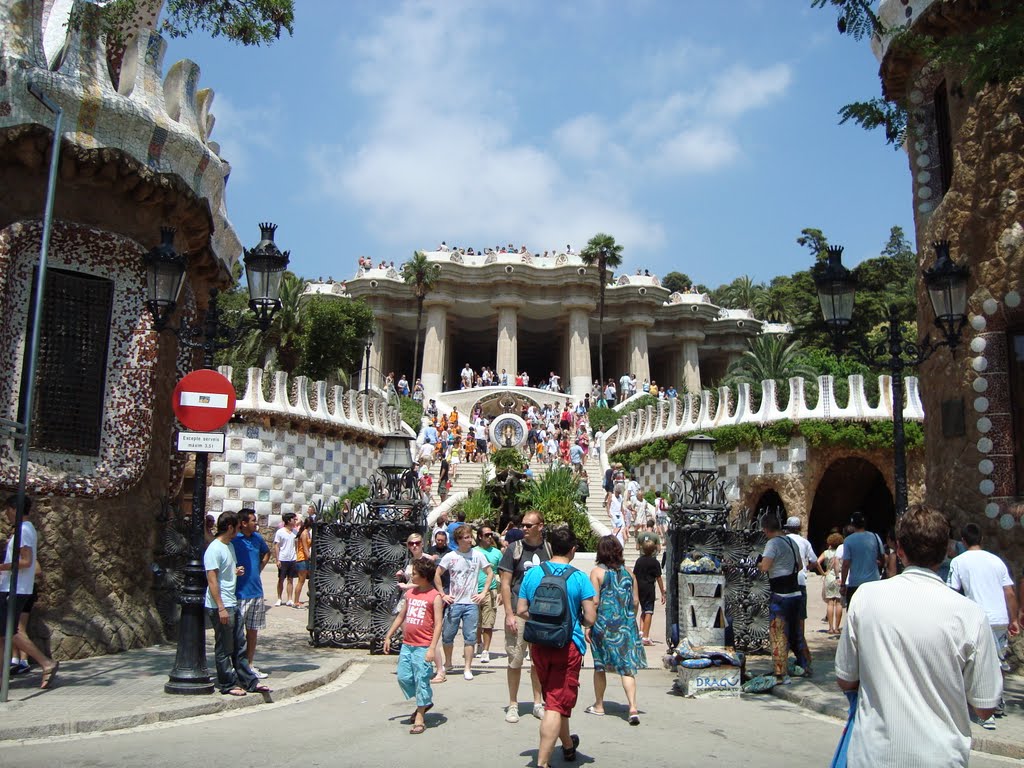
[[770, 305], [421, 273], [603, 252], [770, 358], [281, 346], [742, 293]]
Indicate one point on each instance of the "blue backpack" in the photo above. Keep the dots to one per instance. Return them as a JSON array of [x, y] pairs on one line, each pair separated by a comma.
[[551, 616]]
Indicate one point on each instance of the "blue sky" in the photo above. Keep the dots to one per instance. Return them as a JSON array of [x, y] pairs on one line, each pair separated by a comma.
[[702, 135]]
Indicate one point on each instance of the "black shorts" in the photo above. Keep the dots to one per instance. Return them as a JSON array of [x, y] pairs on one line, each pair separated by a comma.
[[20, 601], [647, 606], [287, 569]]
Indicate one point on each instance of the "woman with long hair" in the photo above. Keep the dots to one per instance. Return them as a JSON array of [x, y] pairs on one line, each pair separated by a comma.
[[303, 547], [614, 638], [832, 566]]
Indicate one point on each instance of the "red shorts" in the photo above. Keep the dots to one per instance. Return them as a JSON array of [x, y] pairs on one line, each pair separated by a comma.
[[558, 670]]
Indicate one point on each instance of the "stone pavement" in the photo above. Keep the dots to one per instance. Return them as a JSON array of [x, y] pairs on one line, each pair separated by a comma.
[[821, 694], [126, 689]]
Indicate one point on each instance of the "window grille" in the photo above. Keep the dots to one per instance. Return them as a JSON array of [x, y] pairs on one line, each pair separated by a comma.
[[72, 370]]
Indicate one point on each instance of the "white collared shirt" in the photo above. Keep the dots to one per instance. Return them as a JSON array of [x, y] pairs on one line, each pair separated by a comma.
[[921, 652]]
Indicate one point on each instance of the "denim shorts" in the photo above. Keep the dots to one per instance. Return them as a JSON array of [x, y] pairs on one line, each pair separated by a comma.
[[468, 614]]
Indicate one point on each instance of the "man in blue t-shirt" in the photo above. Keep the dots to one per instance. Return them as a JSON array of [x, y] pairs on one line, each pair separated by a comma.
[[252, 552], [558, 669], [862, 552]]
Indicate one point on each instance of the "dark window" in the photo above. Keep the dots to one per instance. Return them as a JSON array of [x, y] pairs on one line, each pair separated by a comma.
[[67, 412], [1017, 403], [944, 136]]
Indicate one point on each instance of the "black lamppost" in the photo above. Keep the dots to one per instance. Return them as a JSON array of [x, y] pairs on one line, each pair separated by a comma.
[[165, 273], [947, 290], [366, 365]]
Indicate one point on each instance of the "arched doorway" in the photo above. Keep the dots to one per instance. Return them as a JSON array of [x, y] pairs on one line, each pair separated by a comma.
[[848, 485], [772, 503]]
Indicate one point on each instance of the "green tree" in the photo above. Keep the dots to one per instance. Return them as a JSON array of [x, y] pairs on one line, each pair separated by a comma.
[[813, 240], [989, 52], [676, 282], [770, 305], [741, 293], [333, 331], [601, 251], [281, 346], [771, 357], [422, 274], [249, 22]]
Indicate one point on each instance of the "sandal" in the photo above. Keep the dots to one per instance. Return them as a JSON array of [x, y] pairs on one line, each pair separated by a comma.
[[591, 711], [236, 691], [417, 729], [438, 679], [49, 675], [262, 689], [569, 753]]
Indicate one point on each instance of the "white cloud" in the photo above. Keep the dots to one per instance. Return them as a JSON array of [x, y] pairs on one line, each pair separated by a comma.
[[695, 150], [741, 89], [243, 135]]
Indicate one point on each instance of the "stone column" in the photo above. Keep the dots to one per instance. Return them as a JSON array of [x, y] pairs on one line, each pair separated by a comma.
[[639, 363], [507, 356], [691, 360], [434, 352], [580, 374]]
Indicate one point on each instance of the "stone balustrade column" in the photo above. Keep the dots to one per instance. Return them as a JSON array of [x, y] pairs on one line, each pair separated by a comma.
[[434, 349], [580, 374], [507, 354], [691, 360]]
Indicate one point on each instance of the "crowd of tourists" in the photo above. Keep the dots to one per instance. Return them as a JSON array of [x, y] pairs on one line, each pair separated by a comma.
[[457, 583], [510, 248]]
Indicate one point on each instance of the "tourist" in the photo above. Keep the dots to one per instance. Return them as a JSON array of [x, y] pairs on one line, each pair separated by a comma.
[[209, 530], [420, 620], [648, 534], [252, 554], [403, 386], [234, 675], [615, 513], [466, 377], [863, 553], [558, 669], [487, 546], [624, 386], [444, 482], [807, 557], [582, 486], [417, 391], [27, 564], [647, 572], [303, 548], [781, 561], [829, 562], [440, 544], [284, 554], [519, 557], [462, 597], [984, 578], [660, 513], [614, 640], [919, 654]]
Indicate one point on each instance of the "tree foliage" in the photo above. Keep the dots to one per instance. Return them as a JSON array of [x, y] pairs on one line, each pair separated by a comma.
[[991, 51], [248, 22], [770, 358], [333, 334], [422, 274], [603, 252], [676, 282]]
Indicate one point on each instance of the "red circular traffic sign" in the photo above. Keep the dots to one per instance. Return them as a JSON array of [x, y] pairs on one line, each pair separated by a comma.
[[204, 400]]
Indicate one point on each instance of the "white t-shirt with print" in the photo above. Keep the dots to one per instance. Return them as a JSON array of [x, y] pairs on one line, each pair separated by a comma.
[[26, 576], [285, 540], [464, 569]]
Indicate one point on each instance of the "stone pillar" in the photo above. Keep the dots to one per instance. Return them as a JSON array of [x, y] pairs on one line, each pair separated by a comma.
[[434, 350], [691, 360], [580, 374], [507, 356], [639, 363]]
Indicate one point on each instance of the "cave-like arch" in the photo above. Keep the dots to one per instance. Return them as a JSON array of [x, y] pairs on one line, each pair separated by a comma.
[[850, 484]]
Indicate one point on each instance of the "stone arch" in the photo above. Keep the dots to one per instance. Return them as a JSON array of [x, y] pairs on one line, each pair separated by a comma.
[[848, 484], [778, 492], [770, 500]]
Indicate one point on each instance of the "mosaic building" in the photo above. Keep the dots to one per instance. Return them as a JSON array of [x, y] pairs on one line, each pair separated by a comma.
[[538, 313]]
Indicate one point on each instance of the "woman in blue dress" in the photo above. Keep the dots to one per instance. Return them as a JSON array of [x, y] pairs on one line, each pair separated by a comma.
[[614, 638]]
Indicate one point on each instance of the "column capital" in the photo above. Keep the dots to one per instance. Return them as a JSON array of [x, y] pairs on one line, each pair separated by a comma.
[[690, 335], [438, 301], [642, 321], [507, 302], [585, 305]]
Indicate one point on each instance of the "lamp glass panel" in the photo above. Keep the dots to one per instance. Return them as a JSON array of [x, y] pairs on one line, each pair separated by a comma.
[[700, 457], [837, 303], [165, 282], [395, 454], [949, 299]]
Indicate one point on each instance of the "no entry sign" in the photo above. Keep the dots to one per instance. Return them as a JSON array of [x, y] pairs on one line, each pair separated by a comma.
[[204, 400]]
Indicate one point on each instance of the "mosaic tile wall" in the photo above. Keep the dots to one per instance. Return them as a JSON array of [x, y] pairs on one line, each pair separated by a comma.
[[791, 460], [277, 470]]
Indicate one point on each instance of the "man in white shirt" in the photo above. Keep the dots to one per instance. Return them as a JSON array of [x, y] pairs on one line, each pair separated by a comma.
[[985, 579], [807, 556], [26, 583], [918, 654], [624, 382], [284, 554], [462, 597]]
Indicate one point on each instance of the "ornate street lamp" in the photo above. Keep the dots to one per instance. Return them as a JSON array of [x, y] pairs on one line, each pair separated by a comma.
[[395, 476], [700, 469], [366, 366], [165, 272], [947, 290]]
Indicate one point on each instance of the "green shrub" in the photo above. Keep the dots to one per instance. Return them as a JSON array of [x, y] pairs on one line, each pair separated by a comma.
[[412, 412], [477, 506], [556, 494], [602, 419], [508, 458], [356, 495]]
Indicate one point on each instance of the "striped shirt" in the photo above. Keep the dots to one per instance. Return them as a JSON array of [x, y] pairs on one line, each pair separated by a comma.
[[921, 652]]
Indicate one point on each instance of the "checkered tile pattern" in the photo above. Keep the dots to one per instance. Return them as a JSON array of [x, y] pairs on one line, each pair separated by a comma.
[[734, 466], [277, 470]]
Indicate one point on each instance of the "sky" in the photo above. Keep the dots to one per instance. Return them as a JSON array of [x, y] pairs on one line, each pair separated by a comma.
[[702, 135]]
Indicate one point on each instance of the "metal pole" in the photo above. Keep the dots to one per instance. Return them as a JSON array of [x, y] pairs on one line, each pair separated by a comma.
[[28, 385], [366, 372], [190, 676], [899, 443]]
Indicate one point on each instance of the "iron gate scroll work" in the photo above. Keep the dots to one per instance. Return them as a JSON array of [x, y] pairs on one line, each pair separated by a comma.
[[700, 527], [354, 561]]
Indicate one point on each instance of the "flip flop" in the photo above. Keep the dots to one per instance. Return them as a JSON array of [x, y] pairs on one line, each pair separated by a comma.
[[49, 675], [262, 689], [591, 711], [438, 680], [416, 730], [235, 692]]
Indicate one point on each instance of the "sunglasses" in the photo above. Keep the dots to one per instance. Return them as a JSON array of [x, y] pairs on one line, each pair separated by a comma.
[[415, 544], [486, 533], [530, 525]]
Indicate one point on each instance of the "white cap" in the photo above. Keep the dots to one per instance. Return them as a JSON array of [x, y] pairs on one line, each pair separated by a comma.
[[793, 522]]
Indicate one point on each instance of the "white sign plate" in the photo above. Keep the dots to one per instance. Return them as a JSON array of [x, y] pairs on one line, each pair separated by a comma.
[[204, 400], [201, 442]]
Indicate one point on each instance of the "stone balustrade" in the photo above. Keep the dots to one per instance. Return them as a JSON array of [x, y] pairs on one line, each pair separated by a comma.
[[315, 402], [694, 413]]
